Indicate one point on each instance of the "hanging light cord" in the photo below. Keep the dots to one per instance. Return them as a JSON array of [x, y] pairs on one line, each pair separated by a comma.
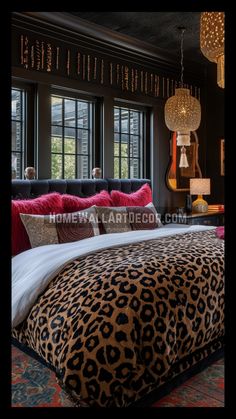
[[182, 56]]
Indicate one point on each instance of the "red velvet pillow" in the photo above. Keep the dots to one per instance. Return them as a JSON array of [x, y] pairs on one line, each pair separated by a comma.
[[73, 203], [44, 205], [139, 198], [220, 232]]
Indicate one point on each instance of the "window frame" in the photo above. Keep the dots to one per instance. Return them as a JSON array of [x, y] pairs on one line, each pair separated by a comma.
[[28, 156], [142, 110], [22, 123], [77, 97]]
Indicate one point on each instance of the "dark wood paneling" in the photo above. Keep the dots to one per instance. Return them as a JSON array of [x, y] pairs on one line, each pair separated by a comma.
[[105, 40], [108, 130], [98, 134], [163, 197], [46, 50], [147, 145], [214, 133]]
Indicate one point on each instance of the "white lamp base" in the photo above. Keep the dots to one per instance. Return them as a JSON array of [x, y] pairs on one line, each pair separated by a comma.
[[200, 205]]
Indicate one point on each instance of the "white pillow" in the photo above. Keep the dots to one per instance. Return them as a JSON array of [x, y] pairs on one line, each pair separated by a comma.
[[158, 216]]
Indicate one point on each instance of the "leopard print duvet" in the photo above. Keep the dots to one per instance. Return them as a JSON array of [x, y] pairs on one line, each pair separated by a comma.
[[116, 323]]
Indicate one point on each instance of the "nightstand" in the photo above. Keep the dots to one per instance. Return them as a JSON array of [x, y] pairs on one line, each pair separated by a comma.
[[210, 218], [206, 218]]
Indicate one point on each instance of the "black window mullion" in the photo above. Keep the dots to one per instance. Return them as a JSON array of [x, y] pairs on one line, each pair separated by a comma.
[[76, 139], [92, 138], [142, 145], [63, 138], [21, 122], [21, 132], [129, 144], [89, 138], [25, 130], [120, 133], [140, 142], [17, 120]]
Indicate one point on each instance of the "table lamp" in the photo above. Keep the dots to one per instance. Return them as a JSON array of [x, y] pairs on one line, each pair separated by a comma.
[[200, 187]]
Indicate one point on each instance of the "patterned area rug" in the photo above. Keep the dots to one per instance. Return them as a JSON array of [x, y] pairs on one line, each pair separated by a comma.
[[34, 385]]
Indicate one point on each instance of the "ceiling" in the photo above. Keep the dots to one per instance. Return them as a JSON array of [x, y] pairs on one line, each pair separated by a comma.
[[157, 28]]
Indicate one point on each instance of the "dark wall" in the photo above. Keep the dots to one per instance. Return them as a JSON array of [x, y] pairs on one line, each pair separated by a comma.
[[106, 89], [214, 133]]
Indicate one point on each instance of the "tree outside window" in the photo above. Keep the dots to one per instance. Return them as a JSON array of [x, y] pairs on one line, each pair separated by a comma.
[[128, 143], [71, 138]]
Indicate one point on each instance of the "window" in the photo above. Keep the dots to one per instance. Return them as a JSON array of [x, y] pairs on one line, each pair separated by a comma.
[[128, 143], [17, 131], [71, 138]]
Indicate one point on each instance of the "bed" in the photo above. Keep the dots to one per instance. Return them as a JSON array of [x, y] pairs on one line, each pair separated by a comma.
[[119, 316]]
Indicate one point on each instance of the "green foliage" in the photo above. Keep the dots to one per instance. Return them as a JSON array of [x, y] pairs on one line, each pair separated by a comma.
[[56, 159], [56, 166]]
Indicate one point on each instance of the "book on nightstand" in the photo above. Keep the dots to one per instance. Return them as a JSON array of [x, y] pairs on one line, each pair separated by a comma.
[[216, 208]]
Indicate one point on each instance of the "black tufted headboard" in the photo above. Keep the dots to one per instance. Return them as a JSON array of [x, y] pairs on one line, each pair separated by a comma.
[[23, 189]]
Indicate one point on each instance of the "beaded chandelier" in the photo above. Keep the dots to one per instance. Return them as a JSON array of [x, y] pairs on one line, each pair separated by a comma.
[[182, 112], [212, 38]]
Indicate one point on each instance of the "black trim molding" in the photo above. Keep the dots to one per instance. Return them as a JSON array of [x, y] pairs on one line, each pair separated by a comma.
[[62, 45]]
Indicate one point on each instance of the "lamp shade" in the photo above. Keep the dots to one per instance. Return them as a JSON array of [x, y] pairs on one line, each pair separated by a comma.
[[200, 186], [182, 114], [212, 38]]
